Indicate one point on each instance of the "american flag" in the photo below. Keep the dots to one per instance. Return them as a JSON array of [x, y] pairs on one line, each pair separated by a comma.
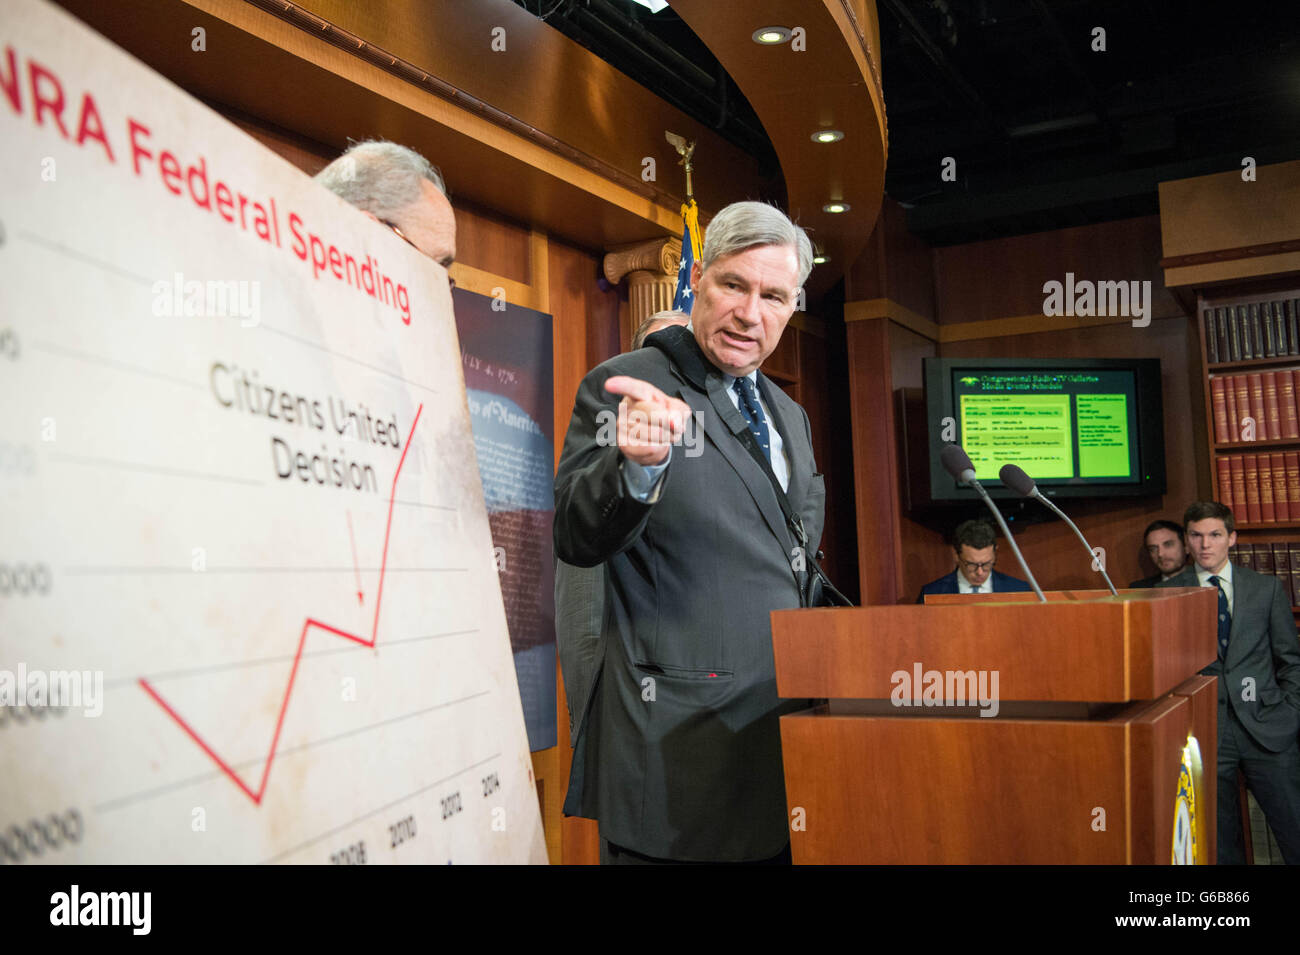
[[692, 249]]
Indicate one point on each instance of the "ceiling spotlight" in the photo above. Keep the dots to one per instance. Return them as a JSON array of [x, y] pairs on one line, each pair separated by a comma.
[[827, 136], [820, 257], [835, 207], [770, 36]]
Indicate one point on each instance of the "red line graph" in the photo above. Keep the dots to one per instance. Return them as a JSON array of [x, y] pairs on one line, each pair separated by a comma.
[[307, 625]]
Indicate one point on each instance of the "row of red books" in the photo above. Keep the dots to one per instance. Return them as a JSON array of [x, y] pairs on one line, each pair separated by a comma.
[[1259, 406], [1260, 488], [1278, 558]]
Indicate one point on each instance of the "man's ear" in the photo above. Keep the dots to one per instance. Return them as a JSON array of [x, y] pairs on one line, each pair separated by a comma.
[[697, 270]]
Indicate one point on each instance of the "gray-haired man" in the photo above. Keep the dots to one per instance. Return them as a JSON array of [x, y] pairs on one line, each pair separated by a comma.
[[679, 754], [398, 187], [657, 323]]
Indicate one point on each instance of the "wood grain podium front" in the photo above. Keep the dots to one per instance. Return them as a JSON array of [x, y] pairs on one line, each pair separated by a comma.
[[991, 728]]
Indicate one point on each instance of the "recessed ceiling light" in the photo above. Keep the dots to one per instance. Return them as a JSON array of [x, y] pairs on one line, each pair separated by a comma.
[[827, 136], [821, 258], [770, 36], [835, 207]]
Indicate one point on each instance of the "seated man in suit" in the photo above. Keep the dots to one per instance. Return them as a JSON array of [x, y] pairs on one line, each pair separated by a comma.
[[976, 545], [1259, 684], [1165, 543]]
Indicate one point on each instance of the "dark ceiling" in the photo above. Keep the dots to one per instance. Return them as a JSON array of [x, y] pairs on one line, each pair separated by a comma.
[[1046, 132]]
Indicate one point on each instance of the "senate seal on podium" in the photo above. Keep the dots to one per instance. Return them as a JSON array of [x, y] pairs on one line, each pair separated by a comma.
[[1184, 843]]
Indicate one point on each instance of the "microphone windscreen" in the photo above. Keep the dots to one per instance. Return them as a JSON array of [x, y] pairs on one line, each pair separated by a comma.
[[955, 461], [1016, 479]]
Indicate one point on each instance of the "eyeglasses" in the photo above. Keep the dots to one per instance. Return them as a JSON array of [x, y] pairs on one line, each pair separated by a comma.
[[968, 565], [451, 282]]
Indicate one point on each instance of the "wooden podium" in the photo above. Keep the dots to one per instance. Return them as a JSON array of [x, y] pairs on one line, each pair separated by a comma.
[[1098, 744]]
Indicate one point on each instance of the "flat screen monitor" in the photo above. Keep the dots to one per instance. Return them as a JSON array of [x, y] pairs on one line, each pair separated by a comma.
[[1079, 427]]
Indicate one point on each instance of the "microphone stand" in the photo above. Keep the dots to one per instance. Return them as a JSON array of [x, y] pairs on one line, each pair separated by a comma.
[[1006, 531], [1061, 514]]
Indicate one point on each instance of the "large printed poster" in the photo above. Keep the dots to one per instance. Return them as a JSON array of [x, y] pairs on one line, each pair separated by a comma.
[[507, 358], [249, 608]]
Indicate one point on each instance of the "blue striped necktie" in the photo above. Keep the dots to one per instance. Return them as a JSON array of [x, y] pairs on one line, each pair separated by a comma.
[[753, 412], [1225, 618]]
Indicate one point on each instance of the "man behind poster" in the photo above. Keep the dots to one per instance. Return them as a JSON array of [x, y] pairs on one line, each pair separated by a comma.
[[679, 753]]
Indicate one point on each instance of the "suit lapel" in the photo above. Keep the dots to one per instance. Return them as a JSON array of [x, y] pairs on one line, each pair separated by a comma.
[[1243, 593], [722, 422], [702, 389]]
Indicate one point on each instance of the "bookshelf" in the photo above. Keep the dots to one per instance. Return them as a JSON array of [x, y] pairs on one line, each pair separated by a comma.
[[1250, 364]]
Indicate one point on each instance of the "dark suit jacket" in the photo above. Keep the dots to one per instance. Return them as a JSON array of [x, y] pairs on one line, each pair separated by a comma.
[[579, 619], [1261, 672], [947, 584], [679, 752]]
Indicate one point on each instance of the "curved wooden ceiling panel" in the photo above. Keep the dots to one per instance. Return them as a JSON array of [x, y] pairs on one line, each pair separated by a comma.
[[833, 82]]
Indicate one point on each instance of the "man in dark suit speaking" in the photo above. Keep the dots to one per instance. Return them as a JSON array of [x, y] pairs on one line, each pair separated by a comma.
[[975, 545], [1259, 684], [678, 754]]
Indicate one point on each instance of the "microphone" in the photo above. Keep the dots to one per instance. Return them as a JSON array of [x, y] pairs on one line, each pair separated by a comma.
[[1020, 482], [957, 463]]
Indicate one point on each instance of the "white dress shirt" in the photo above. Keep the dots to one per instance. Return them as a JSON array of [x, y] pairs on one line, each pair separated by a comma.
[[1224, 574]]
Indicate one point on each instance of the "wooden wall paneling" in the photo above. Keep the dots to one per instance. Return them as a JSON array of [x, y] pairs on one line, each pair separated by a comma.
[[548, 81], [909, 266], [586, 331], [783, 364], [918, 547], [1004, 277], [1248, 228], [896, 265], [865, 277], [493, 244], [307, 154], [816, 396], [875, 465], [1222, 211]]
